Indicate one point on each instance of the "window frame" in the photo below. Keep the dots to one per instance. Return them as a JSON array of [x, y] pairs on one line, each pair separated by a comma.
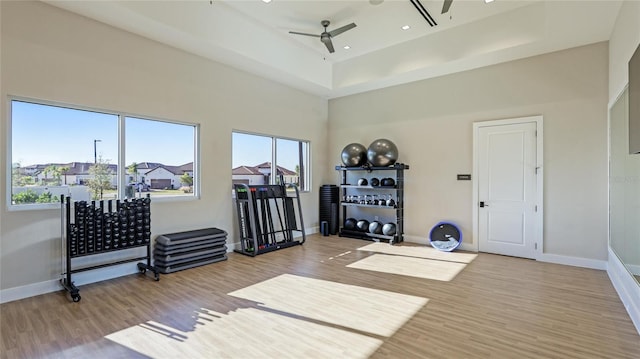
[[121, 174], [274, 152]]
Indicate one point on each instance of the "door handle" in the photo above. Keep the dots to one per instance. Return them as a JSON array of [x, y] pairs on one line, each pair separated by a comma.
[[482, 204]]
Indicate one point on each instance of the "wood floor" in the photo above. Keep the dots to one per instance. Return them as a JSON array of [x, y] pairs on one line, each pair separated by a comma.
[[495, 307]]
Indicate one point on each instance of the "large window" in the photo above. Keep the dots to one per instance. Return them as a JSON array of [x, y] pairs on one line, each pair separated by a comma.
[[255, 158], [60, 150]]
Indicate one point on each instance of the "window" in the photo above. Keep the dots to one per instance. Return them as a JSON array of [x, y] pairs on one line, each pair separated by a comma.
[[160, 157], [60, 150], [256, 157]]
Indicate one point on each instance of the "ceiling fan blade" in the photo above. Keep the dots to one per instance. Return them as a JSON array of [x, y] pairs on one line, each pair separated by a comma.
[[329, 45], [303, 33], [446, 6], [340, 30]]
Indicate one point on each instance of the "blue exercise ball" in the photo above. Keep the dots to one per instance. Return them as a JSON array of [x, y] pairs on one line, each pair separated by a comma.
[[382, 153], [354, 155]]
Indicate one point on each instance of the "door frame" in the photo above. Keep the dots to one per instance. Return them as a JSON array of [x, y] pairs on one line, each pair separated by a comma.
[[538, 215]]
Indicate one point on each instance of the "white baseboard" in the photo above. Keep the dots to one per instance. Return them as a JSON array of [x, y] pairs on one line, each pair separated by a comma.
[[627, 288], [573, 261], [53, 285]]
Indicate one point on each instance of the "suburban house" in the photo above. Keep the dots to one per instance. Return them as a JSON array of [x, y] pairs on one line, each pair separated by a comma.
[[260, 174], [77, 173], [169, 177]]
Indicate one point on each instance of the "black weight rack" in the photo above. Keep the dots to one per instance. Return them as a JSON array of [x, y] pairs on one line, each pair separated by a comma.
[[91, 228], [267, 216]]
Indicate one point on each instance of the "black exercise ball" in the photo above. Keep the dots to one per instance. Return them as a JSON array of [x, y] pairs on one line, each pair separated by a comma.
[[350, 224], [362, 182], [382, 152], [389, 229], [363, 225], [375, 182], [353, 155], [375, 227]]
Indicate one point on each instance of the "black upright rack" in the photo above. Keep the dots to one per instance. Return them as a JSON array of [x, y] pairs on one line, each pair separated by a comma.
[[256, 206], [90, 229], [350, 186]]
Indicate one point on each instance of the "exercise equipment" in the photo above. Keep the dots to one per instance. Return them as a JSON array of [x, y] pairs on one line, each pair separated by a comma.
[[178, 251], [362, 182], [382, 152], [328, 204], [375, 182], [267, 217], [350, 223], [445, 236], [91, 228], [362, 225], [354, 155], [375, 227], [387, 182], [389, 229]]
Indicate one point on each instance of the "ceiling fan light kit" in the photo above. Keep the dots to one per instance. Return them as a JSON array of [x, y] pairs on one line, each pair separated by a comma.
[[326, 36]]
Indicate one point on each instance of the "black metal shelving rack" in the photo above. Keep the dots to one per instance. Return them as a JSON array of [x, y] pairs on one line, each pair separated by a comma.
[[398, 187], [260, 230], [90, 228]]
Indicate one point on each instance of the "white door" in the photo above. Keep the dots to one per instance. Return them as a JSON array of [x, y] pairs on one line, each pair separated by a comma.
[[507, 197]]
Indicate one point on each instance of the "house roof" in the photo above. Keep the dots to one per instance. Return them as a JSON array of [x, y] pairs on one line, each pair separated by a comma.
[[246, 170], [284, 171]]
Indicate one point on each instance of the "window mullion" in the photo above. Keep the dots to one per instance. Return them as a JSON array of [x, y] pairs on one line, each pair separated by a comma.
[[122, 167]]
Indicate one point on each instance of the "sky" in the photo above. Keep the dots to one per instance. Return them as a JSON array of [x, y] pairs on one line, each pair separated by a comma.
[[48, 134], [251, 150]]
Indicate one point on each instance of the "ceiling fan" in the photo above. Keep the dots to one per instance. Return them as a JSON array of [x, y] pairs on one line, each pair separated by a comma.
[[325, 36]]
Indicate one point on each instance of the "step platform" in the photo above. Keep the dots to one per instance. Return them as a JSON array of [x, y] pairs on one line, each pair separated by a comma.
[[178, 251]]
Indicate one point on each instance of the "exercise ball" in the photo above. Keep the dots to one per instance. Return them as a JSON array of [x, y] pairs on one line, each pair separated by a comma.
[[350, 224], [382, 152], [375, 227], [363, 225], [389, 229], [354, 154]]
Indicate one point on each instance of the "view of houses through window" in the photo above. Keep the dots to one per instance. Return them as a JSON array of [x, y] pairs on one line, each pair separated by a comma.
[[256, 157], [57, 150]]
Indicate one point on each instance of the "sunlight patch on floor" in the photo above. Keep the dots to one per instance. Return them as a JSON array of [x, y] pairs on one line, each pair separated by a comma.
[[362, 309], [410, 266], [246, 333], [419, 252]]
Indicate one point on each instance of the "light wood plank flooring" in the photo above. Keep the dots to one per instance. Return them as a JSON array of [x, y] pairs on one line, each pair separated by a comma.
[[496, 307]]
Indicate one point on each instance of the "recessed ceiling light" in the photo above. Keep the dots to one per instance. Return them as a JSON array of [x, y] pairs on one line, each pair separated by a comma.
[[347, 47], [406, 27], [485, 1], [266, 1]]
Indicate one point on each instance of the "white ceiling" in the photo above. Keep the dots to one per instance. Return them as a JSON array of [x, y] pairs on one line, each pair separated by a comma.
[[254, 36]]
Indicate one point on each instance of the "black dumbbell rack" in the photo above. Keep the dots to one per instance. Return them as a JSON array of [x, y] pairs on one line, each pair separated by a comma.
[[90, 228]]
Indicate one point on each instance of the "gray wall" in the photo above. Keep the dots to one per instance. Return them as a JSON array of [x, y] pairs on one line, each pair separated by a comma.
[[431, 123], [51, 54]]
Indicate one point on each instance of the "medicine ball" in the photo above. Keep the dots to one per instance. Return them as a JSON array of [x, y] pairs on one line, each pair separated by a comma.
[[375, 227], [362, 182], [387, 182], [363, 225], [350, 224], [390, 202], [375, 182], [389, 229]]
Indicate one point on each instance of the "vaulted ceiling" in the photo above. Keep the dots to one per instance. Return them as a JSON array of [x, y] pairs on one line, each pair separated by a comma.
[[253, 35]]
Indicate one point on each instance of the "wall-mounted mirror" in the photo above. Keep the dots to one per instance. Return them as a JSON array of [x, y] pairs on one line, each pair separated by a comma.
[[624, 189]]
